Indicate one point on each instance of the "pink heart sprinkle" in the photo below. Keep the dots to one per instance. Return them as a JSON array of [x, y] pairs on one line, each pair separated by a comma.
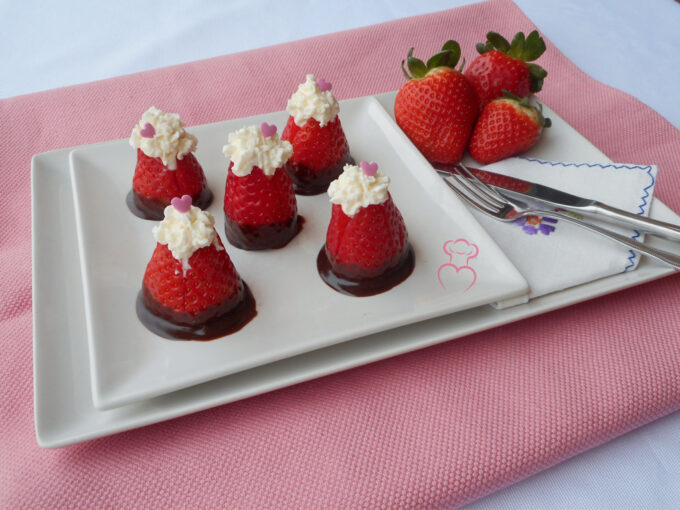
[[267, 129], [183, 204], [369, 169], [148, 131], [324, 85]]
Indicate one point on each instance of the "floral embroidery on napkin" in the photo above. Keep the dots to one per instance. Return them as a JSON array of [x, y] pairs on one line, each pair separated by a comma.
[[532, 225]]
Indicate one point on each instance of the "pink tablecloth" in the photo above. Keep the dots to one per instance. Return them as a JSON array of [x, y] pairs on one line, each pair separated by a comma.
[[436, 427]]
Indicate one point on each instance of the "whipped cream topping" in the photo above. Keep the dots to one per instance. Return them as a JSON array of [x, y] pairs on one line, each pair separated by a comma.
[[354, 189], [309, 102], [184, 233], [170, 141], [249, 148]]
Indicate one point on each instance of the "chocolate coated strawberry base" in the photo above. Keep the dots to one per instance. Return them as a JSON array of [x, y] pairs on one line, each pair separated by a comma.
[[215, 322], [312, 182], [262, 237], [152, 209], [364, 286]]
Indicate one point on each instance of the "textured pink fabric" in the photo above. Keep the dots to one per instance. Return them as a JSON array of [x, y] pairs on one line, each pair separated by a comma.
[[437, 427]]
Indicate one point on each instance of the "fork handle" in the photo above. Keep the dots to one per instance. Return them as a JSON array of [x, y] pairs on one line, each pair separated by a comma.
[[663, 256]]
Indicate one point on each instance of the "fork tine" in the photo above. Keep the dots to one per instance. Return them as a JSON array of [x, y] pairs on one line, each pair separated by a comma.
[[478, 192], [491, 210], [482, 184], [466, 187]]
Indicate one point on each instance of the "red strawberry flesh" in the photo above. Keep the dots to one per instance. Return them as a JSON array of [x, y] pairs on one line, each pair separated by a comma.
[[204, 301], [368, 252], [154, 186], [260, 210], [319, 154]]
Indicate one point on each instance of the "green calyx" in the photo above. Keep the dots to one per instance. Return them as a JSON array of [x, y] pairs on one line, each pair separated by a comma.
[[447, 57], [525, 103], [525, 49]]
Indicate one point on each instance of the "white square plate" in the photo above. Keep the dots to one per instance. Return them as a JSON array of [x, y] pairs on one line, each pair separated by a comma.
[[297, 311]]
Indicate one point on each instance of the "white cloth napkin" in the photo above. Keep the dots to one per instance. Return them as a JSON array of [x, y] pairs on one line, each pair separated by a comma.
[[552, 254]]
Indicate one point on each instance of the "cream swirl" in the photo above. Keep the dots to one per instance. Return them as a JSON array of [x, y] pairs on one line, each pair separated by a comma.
[[169, 140], [309, 102], [184, 233], [354, 189], [249, 148]]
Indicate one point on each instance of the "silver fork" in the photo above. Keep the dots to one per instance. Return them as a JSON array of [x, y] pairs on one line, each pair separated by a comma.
[[487, 200]]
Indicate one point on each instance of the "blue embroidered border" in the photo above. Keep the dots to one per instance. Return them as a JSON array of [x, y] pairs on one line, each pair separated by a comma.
[[643, 198]]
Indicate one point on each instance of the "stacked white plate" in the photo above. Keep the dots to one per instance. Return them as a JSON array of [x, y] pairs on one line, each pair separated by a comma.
[[99, 371]]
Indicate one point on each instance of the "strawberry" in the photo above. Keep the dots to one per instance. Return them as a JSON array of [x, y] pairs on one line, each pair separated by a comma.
[[210, 281], [368, 243], [436, 108], [503, 66], [260, 210], [319, 153], [154, 185], [506, 127], [367, 249], [199, 298]]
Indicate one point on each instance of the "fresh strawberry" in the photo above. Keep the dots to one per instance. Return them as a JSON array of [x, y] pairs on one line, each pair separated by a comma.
[[506, 127], [261, 210], [503, 66], [436, 108], [368, 243], [319, 154], [154, 185], [210, 281], [257, 199]]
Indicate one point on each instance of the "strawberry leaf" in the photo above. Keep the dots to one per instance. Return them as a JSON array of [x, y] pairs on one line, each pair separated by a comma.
[[497, 41], [416, 66], [534, 47], [536, 74], [438, 59], [403, 69], [452, 49], [517, 46], [482, 48]]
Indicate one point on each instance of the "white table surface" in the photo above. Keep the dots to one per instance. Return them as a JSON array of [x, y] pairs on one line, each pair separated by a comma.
[[628, 44]]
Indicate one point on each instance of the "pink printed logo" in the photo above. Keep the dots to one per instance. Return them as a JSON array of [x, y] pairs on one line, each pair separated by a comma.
[[460, 252]]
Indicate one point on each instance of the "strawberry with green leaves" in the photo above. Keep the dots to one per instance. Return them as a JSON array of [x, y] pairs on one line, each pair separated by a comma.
[[502, 65], [506, 127], [437, 107]]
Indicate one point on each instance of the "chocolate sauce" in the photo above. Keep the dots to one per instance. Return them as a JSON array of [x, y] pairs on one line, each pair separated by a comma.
[[215, 322], [262, 237], [152, 208], [314, 182], [355, 281]]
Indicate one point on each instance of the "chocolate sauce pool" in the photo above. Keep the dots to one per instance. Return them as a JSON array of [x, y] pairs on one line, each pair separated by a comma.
[[215, 322], [262, 237], [312, 182], [152, 209], [358, 285]]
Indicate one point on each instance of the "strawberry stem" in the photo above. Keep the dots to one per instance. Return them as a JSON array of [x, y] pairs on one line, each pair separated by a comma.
[[447, 57]]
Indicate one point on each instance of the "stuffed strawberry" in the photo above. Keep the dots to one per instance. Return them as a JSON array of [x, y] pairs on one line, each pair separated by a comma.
[[320, 148], [191, 289], [437, 107], [503, 66], [506, 127], [166, 167], [259, 200], [367, 249]]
